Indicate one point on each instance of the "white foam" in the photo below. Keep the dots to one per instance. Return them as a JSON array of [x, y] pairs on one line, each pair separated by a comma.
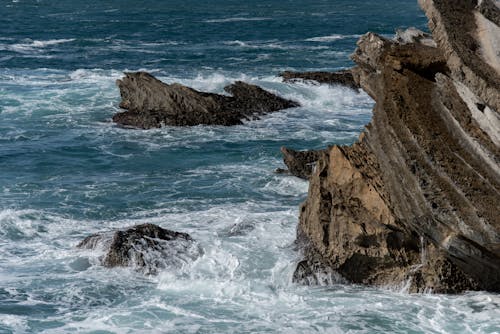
[[42, 44], [237, 19], [236, 42], [289, 186], [272, 45], [15, 323], [33, 45], [331, 38], [243, 282]]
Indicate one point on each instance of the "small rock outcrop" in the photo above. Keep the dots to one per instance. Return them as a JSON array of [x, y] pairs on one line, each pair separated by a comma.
[[151, 103], [415, 202], [148, 248], [301, 163], [343, 78]]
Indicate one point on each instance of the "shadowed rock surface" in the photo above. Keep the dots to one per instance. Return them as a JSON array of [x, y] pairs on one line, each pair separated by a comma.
[[301, 163], [145, 247], [151, 103], [343, 78], [415, 202], [490, 10]]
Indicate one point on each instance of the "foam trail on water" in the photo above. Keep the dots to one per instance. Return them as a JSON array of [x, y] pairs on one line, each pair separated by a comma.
[[237, 19], [29, 45], [331, 38]]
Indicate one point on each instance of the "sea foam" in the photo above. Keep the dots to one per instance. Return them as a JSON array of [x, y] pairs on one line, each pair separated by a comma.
[[331, 38]]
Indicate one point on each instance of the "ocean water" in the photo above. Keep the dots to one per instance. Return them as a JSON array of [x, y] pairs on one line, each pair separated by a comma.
[[66, 171]]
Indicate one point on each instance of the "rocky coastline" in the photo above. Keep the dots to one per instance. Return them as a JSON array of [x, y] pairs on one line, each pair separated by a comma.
[[416, 200]]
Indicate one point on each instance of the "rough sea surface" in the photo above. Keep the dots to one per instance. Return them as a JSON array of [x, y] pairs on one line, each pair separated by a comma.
[[66, 171]]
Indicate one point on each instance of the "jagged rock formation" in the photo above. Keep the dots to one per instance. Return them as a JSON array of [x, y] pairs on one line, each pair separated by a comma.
[[343, 78], [151, 103], [416, 201], [147, 248], [300, 163]]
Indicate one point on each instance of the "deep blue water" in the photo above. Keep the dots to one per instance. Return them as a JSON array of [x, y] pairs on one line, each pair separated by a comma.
[[66, 171], [180, 37]]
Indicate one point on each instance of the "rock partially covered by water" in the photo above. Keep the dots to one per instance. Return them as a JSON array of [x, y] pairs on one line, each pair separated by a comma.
[[343, 78], [147, 248], [151, 103], [301, 163]]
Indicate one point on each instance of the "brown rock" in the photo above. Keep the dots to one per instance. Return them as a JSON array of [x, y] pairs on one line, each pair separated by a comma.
[[415, 202], [151, 103]]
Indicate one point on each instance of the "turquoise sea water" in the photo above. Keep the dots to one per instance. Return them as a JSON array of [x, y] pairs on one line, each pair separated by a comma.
[[67, 171]]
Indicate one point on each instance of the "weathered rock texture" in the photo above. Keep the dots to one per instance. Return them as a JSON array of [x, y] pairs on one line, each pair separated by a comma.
[[301, 163], [343, 78], [151, 103], [147, 248], [416, 201]]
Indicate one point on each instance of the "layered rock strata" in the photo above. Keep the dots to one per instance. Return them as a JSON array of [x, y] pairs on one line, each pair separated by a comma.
[[147, 248], [415, 201], [151, 103]]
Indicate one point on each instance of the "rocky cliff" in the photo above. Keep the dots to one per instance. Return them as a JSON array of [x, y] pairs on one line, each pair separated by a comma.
[[416, 200]]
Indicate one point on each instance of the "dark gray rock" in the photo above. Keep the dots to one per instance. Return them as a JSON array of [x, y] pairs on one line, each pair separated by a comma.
[[490, 10], [343, 78], [300, 163], [151, 103], [147, 248]]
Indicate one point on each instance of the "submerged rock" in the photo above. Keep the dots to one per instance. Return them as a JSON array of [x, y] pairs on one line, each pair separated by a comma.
[[147, 248], [415, 202], [343, 78], [151, 103], [300, 163]]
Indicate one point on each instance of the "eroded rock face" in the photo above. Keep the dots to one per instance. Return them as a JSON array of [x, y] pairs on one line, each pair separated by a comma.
[[147, 248], [343, 78], [415, 202], [151, 103], [301, 163]]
